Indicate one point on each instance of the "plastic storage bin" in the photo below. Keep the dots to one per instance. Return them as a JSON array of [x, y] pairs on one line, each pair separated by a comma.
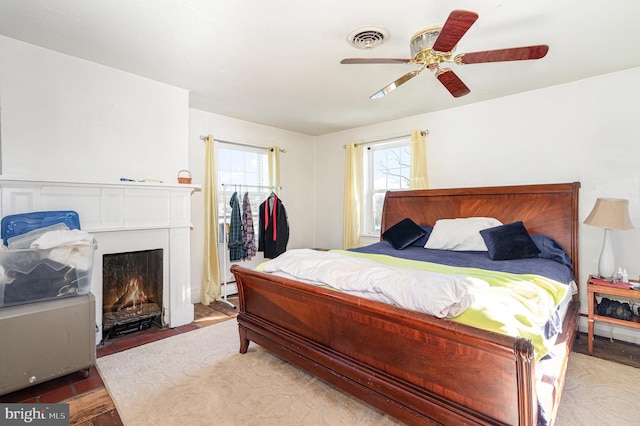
[[33, 275]]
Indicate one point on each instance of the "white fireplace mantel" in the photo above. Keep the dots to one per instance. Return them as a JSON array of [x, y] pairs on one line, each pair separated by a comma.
[[123, 216]]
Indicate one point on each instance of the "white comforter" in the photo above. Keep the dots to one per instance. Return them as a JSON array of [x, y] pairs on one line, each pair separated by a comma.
[[441, 295]]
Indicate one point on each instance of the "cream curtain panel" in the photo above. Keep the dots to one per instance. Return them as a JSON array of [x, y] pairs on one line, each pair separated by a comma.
[[418, 170], [211, 269], [273, 158], [352, 196]]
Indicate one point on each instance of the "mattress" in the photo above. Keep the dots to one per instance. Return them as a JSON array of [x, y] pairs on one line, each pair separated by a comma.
[[552, 263], [520, 305]]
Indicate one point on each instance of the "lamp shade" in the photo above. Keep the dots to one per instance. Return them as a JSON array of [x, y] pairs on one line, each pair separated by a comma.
[[610, 213]]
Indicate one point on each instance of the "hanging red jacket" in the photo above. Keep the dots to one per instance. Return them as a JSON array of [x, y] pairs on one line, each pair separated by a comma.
[[274, 227]]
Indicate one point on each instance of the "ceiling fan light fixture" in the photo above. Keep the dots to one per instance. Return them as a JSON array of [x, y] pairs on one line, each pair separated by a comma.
[[422, 42], [367, 37]]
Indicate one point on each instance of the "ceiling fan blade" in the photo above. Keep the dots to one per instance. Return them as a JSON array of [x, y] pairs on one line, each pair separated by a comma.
[[375, 61], [452, 82], [503, 55], [385, 90], [457, 25]]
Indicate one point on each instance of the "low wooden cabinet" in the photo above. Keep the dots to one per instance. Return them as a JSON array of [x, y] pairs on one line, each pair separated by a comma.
[[623, 292]]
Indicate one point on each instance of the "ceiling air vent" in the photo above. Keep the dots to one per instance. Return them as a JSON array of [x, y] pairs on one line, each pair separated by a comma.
[[367, 37]]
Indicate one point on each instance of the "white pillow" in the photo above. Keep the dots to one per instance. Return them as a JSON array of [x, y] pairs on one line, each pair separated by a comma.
[[460, 234]]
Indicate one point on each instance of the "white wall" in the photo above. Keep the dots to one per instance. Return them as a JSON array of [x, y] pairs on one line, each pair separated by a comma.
[[296, 178], [65, 118], [583, 131]]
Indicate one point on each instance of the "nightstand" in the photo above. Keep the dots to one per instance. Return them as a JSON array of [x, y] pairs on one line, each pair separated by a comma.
[[621, 290]]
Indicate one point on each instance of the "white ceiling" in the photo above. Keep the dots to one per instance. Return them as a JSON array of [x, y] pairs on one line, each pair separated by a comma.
[[277, 62]]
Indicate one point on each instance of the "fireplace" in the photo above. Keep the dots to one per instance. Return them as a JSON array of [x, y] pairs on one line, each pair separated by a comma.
[[124, 217], [131, 291]]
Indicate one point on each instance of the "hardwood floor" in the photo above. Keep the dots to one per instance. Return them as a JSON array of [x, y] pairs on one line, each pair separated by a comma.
[[90, 403], [611, 350]]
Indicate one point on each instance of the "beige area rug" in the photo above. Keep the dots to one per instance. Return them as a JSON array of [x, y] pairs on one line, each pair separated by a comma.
[[599, 392], [199, 378]]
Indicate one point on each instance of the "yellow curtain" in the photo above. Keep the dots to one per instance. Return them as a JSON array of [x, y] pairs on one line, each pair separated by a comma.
[[418, 170], [211, 269], [273, 158], [352, 197]]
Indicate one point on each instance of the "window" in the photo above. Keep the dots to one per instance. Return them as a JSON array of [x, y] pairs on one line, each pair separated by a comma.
[[242, 169], [386, 167]]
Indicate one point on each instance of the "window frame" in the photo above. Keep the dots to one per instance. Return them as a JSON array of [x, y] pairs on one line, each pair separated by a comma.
[[258, 190], [369, 192]]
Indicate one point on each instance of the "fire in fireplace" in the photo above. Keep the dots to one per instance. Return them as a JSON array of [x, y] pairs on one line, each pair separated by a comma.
[[131, 292]]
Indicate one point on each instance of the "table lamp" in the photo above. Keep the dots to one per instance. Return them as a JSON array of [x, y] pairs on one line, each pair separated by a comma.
[[609, 213]]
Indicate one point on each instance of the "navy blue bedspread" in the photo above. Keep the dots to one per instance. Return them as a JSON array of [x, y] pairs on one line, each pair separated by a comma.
[[475, 259]]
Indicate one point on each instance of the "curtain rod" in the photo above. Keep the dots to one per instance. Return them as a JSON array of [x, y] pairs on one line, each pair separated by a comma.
[[252, 186], [373, 142], [203, 137]]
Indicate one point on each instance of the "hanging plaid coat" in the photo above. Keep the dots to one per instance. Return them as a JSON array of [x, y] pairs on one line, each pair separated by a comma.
[[236, 249], [248, 234]]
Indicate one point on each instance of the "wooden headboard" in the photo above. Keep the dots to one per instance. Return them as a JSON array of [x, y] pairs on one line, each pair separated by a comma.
[[548, 209]]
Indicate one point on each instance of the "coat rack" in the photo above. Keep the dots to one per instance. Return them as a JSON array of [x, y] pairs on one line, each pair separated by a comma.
[[225, 226]]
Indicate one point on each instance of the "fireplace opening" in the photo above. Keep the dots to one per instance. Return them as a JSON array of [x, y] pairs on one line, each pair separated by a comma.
[[131, 292]]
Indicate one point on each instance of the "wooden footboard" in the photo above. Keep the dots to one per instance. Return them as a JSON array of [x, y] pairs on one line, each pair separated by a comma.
[[417, 368]]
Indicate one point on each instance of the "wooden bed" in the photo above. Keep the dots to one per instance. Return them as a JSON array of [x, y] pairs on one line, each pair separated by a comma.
[[415, 367]]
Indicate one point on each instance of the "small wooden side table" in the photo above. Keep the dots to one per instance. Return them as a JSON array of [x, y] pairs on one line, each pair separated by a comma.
[[595, 286]]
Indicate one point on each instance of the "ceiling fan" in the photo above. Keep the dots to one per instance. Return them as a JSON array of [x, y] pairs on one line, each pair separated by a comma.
[[435, 45]]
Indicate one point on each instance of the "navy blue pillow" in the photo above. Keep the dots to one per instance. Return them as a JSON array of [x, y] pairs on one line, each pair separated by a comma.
[[509, 242], [403, 234]]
